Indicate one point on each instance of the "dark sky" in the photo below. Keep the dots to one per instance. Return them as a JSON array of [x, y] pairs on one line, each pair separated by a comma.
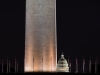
[[78, 30]]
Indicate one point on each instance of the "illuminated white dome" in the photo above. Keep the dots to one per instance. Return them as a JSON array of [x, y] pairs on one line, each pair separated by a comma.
[[62, 65]]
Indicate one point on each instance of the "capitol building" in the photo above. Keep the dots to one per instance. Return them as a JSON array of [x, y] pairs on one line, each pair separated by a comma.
[[62, 65]]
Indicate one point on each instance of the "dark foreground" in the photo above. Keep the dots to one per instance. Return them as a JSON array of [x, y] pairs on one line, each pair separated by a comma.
[[33, 73]]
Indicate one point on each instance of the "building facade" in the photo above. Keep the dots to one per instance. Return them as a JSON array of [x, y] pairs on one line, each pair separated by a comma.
[[40, 36]]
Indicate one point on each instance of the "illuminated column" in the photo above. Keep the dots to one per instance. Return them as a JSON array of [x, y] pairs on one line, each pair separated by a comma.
[[15, 64], [2, 66], [40, 36], [7, 64]]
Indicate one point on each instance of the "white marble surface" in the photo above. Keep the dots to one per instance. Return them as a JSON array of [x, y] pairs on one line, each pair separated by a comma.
[[40, 36]]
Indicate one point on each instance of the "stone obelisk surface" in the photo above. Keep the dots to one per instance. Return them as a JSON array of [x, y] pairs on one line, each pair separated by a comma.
[[40, 36]]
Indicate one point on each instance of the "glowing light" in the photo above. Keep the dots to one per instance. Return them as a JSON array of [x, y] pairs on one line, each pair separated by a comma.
[[28, 69], [40, 36]]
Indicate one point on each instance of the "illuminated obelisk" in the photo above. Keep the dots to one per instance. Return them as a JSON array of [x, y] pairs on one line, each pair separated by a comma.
[[40, 36]]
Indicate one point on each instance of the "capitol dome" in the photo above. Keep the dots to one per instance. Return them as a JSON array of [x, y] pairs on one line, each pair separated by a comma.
[[62, 65]]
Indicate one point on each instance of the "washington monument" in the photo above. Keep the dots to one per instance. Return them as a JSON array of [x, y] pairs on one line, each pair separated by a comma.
[[40, 36]]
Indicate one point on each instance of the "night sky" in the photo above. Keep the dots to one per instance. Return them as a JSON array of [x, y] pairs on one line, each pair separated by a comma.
[[78, 30]]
